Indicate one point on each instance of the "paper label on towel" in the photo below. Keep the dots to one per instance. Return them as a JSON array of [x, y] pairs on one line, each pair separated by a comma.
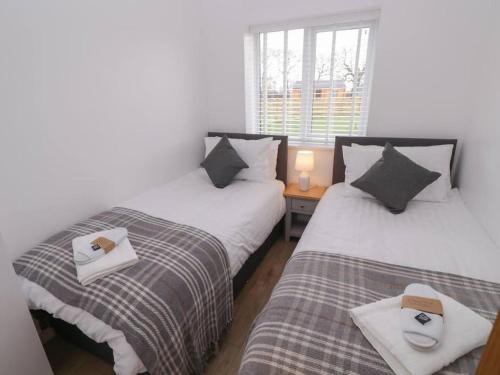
[[429, 305], [105, 244]]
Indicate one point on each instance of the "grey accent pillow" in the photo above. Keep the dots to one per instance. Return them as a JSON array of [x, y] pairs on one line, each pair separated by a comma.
[[223, 163], [395, 179]]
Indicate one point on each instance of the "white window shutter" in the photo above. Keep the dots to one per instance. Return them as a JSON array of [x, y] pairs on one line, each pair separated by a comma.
[[311, 83]]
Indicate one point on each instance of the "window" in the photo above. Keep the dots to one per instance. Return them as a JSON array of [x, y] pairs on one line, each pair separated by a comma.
[[311, 83]]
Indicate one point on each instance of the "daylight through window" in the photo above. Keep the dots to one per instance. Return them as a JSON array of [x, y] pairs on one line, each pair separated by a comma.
[[310, 83]]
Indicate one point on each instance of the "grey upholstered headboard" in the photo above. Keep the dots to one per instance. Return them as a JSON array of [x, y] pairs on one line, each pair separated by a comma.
[[281, 166], [338, 161]]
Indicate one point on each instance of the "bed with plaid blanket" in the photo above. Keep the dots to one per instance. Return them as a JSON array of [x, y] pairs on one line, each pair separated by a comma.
[[305, 328], [172, 306]]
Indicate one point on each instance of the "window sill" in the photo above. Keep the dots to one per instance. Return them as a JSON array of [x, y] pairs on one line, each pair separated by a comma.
[[308, 146]]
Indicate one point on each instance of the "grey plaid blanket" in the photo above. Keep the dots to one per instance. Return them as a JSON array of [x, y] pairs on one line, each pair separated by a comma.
[[172, 306], [306, 329]]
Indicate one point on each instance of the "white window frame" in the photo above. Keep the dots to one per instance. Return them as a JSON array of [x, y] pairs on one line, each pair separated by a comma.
[[311, 28]]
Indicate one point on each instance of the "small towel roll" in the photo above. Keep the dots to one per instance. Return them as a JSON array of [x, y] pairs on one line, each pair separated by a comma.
[[421, 317], [89, 248]]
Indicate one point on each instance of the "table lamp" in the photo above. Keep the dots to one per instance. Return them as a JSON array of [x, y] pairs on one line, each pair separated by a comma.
[[304, 163]]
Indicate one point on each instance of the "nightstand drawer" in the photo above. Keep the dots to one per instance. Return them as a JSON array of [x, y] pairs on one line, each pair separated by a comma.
[[303, 205], [300, 206]]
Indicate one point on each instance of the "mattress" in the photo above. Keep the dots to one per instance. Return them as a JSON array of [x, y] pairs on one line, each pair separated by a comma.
[[241, 216], [441, 237]]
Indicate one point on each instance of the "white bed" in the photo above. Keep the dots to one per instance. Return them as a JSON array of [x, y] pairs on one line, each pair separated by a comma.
[[241, 216], [440, 236], [436, 236]]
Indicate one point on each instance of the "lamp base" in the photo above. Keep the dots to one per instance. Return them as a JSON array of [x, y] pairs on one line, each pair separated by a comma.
[[304, 182]]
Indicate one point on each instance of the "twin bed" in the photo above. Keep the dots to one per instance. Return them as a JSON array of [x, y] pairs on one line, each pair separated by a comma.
[[354, 252], [197, 246]]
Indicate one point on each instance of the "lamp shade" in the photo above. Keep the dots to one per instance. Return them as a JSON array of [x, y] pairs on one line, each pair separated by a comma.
[[304, 161]]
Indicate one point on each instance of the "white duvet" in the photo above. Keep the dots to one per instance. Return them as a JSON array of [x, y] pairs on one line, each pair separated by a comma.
[[428, 235], [241, 216]]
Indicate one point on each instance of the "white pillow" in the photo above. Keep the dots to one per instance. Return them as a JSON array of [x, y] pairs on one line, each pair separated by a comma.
[[357, 162], [273, 159], [434, 158], [256, 153]]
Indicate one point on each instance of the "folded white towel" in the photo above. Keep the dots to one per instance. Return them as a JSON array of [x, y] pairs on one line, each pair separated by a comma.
[[122, 256], [464, 330]]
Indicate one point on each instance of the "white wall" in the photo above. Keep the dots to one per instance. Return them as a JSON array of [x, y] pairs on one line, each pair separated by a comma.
[[127, 80], [20, 349], [480, 172], [423, 68], [99, 101]]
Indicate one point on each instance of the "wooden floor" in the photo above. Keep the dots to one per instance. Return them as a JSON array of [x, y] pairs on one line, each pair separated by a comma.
[[67, 359]]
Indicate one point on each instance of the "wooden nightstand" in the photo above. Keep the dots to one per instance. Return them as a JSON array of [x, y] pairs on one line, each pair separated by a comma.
[[300, 206]]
